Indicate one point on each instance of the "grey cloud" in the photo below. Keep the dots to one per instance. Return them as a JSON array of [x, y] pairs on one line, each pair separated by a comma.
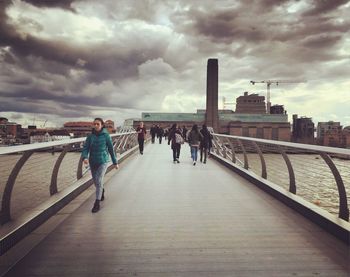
[[17, 116], [259, 38], [64, 4], [43, 107], [322, 41], [37, 94], [321, 7]]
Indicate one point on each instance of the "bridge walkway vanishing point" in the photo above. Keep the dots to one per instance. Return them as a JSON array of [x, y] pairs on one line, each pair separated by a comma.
[[165, 219]]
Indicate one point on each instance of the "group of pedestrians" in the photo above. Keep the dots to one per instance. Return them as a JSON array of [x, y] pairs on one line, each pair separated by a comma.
[[158, 131], [98, 147], [198, 140]]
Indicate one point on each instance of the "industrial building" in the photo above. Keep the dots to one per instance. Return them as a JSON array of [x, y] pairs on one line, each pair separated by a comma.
[[250, 118]]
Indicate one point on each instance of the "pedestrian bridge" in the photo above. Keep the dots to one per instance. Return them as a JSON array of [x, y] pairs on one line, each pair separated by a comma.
[[165, 219]]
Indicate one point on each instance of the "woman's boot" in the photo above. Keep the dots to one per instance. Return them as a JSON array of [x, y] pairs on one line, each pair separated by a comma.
[[96, 206]]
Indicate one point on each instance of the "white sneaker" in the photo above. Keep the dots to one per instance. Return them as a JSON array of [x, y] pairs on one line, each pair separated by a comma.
[[194, 163]]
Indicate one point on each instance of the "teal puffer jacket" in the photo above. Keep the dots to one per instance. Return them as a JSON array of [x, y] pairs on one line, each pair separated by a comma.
[[98, 147]]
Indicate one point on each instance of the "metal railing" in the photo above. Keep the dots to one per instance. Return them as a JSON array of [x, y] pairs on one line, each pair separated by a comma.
[[31, 174], [320, 175]]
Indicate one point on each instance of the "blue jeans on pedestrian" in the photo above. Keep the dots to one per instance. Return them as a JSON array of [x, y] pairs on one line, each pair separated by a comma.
[[194, 152], [98, 172]]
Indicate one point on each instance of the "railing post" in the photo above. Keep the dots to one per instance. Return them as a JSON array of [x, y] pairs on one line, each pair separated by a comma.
[[6, 197], [80, 168], [53, 185], [292, 186], [246, 165], [262, 160], [216, 145], [233, 157], [343, 204]]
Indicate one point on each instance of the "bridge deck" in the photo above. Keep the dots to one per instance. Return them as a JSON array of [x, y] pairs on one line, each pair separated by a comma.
[[165, 219]]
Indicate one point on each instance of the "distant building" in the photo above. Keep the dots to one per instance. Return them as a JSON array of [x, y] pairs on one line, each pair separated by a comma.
[[78, 128], [346, 137], [277, 109], [329, 134], [9, 131], [3, 120], [46, 136], [267, 126], [250, 104], [249, 119], [303, 130]]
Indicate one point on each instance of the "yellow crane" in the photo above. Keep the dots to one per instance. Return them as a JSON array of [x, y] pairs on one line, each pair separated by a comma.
[[268, 84]]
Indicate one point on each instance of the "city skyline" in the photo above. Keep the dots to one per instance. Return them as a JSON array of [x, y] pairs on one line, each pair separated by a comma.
[[77, 59]]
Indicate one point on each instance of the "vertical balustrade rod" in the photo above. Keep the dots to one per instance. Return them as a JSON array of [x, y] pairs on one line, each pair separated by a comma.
[[6, 197], [343, 204], [53, 185], [262, 160]]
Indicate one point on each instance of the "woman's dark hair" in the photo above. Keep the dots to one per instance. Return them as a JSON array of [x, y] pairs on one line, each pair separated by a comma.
[[174, 126], [101, 120], [204, 127]]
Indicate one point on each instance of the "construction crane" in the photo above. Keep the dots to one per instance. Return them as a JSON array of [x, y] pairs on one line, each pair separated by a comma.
[[268, 84]]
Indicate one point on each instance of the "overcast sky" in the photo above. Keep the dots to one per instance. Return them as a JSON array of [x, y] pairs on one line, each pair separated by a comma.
[[71, 60]]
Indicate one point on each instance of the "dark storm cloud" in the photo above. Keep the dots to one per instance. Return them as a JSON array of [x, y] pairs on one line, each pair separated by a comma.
[[320, 7], [44, 107], [323, 41], [64, 4], [46, 74], [223, 26]]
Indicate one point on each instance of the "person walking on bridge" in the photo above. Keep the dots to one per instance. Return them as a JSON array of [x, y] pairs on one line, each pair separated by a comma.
[[141, 134], [205, 143], [194, 139], [153, 132], [160, 134], [176, 139], [98, 147]]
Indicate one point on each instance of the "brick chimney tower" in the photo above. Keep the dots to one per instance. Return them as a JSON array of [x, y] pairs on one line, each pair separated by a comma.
[[212, 110]]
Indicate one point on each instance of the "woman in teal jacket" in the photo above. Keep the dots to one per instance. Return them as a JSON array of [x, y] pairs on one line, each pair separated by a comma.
[[97, 149]]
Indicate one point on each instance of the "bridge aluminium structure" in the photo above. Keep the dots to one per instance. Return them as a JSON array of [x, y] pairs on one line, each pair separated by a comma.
[[165, 219], [322, 174], [37, 180]]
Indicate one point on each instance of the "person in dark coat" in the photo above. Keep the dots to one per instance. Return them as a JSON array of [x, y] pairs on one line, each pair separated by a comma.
[[184, 133], [141, 134], [176, 139], [160, 134], [153, 132], [205, 143], [194, 139]]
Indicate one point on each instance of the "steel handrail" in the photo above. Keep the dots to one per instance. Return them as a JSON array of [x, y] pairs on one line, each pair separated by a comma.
[[28, 150], [283, 148]]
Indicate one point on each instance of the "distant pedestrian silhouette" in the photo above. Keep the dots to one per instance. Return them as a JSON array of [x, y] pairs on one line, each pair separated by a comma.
[[160, 134], [205, 143], [176, 139], [184, 133], [141, 133], [153, 132]]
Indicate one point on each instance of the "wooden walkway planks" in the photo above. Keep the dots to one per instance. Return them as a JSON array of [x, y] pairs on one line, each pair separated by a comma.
[[165, 219]]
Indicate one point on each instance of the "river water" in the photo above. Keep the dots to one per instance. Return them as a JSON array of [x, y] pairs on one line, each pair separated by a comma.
[[314, 180]]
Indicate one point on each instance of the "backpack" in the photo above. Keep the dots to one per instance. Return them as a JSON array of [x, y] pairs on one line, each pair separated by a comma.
[[178, 138]]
